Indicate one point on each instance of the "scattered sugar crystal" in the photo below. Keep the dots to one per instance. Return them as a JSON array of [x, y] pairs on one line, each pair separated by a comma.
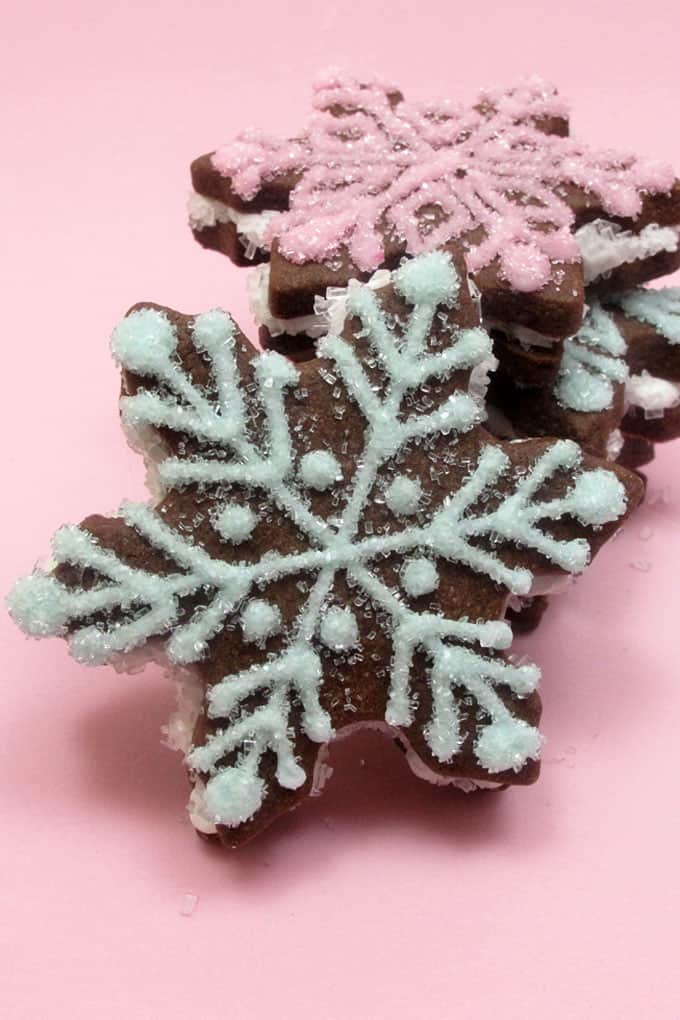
[[188, 904], [659, 496]]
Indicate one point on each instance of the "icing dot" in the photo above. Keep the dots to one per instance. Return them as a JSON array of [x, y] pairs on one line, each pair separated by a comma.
[[652, 394], [430, 279], [403, 495], [319, 470], [525, 267], [276, 369], [289, 774], [144, 341], [598, 497], [212, 330], [580, 390], [592, 361], [507, 744], [39, 604], [339, 629], [260, 620], [233, 796], [419, 576], [235, 523]]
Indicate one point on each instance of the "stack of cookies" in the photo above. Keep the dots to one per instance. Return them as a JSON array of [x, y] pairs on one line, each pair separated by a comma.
[[458, 368], [559, 238]]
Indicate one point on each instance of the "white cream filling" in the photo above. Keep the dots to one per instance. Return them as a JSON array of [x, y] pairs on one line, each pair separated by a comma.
[[200, 816], [332, 307], [144, 439], [329, 317], [544, 584], [614, 444], [251, 227], [526, 337], [478, 383], [179, 729], [499, 424], [423, 771], [329, 309], [313, 325], [652, 394], [605, 246]]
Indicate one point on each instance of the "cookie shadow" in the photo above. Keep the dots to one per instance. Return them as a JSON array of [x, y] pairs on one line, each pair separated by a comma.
[[371, 797]]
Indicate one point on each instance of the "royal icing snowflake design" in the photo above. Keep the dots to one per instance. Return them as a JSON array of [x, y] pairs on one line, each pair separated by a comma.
[[372, 167], [364, 545], [592, 363], [659, 308]]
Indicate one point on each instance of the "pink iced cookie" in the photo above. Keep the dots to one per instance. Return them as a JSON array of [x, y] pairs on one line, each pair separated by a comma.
[[373, 177]]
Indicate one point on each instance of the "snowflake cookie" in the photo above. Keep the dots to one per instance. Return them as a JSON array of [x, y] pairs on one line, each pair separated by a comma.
[[332, 545], [615, 386], [373, 177]]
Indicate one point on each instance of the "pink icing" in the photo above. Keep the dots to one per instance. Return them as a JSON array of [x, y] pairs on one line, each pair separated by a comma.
[[375, 166]]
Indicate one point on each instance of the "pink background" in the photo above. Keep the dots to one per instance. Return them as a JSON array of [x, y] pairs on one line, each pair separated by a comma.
[[387, 898]]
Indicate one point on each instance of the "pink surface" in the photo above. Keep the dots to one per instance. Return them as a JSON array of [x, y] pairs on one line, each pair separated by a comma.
[[387, 898]]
